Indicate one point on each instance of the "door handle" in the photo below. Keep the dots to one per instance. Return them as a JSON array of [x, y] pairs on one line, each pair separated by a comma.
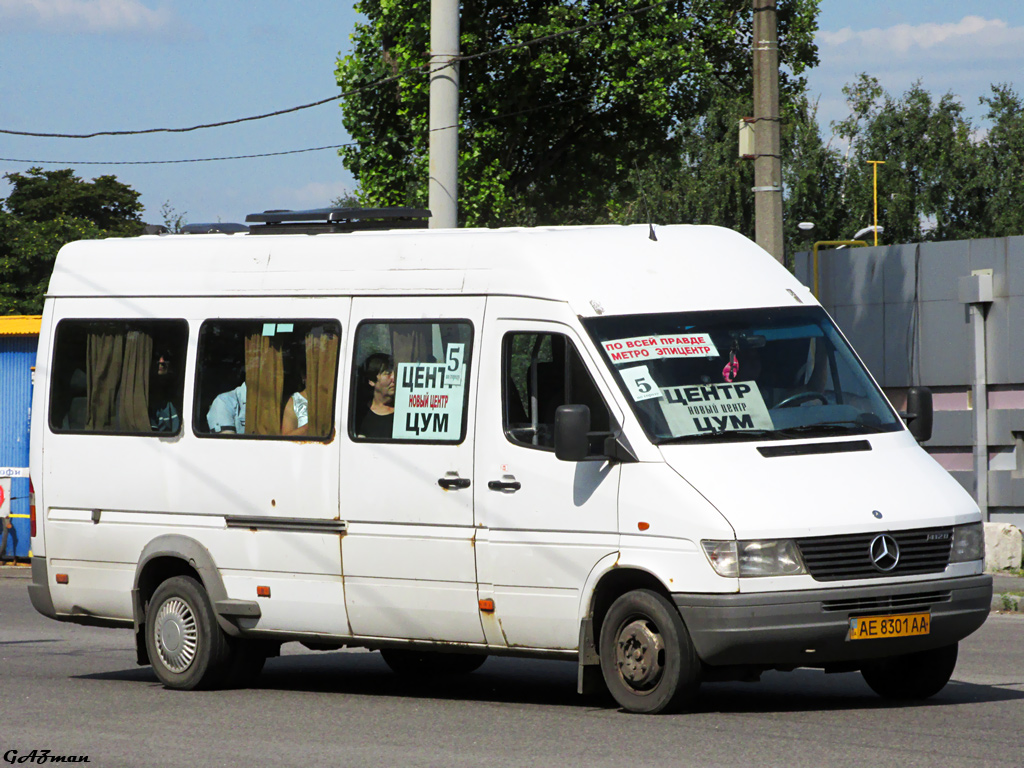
[[510, 486], [448, 483]]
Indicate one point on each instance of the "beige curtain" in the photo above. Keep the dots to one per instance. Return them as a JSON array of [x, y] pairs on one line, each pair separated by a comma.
[[104, 354], [411, 343], [264, 384], [321, 364], [133, 406], [117, 381]]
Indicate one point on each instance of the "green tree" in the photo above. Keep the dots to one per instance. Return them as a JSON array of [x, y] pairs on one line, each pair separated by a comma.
[[711, 184], [1003, 153], [813, 178], [174, 221], [552, 132], [41, 196], [932, 186], [44, 211], [704, 181]]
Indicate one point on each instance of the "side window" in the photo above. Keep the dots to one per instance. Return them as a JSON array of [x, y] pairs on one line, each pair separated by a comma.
[[410, 381], [541, 372], [266, 378], [118, 376]]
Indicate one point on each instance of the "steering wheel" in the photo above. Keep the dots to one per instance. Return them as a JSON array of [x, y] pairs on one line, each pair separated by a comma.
[[800, 398]]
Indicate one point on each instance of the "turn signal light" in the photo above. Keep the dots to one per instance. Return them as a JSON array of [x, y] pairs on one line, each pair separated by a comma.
[[487, 606], [62, 578], [262, 591]]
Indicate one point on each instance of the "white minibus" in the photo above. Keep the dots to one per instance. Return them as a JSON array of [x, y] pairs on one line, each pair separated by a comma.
[[648, 452]]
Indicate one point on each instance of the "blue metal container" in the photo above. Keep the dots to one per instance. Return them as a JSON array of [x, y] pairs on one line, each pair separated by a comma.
[[17, 357]]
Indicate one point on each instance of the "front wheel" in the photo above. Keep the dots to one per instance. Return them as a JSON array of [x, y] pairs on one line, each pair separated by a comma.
[[187, 647], [913, 676], [647, 658]]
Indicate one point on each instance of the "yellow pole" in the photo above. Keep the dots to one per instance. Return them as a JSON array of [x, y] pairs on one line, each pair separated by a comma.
[[874, 165], [853, 243]]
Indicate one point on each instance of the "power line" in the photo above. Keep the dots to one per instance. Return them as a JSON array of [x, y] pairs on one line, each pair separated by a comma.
[[468, 125], [368, 86], [169, 162]]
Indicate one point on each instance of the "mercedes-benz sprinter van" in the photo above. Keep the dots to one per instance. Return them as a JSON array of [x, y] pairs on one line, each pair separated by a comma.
[[657, 458]]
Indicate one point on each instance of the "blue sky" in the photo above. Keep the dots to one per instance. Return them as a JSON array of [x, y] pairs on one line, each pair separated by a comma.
[[76, 66]]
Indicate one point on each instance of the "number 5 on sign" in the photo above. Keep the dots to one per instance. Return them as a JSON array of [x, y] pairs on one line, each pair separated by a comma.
[[454, 365], [639, 382]]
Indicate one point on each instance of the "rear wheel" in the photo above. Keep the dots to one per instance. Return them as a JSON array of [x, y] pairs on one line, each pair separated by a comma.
[[647, 658], [912, 676], [187, 647], [431, 663]]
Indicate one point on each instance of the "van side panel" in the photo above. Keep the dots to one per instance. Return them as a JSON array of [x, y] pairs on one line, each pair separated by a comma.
[[409, 557], [106, 496], [544, 535]]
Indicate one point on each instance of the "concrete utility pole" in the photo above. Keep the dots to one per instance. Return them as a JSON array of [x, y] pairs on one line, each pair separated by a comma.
[[444, 114], [767, 144]]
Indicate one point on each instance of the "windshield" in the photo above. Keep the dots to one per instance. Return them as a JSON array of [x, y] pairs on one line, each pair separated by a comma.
[[741, 374]]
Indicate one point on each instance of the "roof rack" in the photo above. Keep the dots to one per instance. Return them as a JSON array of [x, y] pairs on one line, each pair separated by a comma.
[[320, 220]]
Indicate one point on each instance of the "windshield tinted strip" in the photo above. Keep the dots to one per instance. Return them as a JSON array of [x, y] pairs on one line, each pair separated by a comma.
[[807, 449]]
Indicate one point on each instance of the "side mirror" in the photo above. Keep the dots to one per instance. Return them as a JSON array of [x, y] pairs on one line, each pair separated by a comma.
[[572, 425], [919, 413]]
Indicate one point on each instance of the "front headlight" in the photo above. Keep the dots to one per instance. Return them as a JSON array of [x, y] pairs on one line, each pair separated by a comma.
[[968, 543], [754, 557]]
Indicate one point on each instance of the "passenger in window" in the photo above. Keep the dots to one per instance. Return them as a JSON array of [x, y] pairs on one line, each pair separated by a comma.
[[227, 412], [377, 380], [295, 419], [163, 414]]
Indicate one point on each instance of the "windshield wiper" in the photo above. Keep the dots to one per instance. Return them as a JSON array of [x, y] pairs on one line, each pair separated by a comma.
[[822, 428], [749, 434], [848, 425]]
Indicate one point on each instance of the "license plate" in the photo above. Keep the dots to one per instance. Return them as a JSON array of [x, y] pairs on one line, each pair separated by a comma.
[[902, 625]]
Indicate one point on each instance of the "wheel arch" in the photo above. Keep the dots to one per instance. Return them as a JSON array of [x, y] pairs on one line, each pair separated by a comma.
[[614, 583], [163, 558]]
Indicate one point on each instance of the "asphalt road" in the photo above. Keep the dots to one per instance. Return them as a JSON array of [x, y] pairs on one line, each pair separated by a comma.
[[76, 691]]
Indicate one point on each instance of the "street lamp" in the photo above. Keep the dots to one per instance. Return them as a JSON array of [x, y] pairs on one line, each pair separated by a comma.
[[867, 231]]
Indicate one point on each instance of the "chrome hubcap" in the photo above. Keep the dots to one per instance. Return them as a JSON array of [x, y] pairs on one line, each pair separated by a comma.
[[640, 654], [176, 634]]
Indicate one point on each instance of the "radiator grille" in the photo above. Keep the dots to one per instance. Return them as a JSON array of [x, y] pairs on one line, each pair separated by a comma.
[[833, 558], [887, 602]]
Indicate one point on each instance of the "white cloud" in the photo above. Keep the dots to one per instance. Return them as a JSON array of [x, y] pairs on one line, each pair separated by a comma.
[[95, 16], [973, 36]]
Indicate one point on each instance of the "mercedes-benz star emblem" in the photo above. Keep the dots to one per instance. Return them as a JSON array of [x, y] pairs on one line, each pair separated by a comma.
[[885, 552]]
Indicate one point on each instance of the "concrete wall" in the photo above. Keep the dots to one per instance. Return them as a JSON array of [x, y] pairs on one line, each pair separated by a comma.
[[899, 305]]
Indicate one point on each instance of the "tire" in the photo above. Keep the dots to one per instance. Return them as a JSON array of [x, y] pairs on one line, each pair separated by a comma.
[[186, 645], [431, 663], [914, 676], [647, 658]]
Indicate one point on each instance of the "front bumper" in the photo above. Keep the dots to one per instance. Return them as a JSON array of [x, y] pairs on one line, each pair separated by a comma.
[[810, 628]]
